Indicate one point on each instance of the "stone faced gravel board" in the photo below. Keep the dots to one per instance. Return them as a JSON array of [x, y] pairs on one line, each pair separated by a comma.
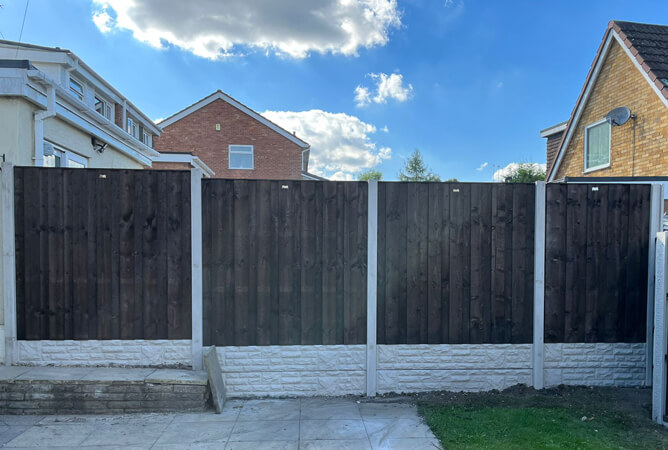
[[216, 382]]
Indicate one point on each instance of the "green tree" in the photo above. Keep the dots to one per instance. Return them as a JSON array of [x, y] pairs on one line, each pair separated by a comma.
[[525, 173], [370, 174], [415, 169]]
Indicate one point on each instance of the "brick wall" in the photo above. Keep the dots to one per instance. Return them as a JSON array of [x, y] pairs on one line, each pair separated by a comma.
[[275, 156], [620, 83], [170, 166], [118, 115], [553, 143]]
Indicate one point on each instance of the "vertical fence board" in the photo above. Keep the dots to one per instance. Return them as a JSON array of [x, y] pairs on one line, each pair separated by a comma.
[[434, 230]]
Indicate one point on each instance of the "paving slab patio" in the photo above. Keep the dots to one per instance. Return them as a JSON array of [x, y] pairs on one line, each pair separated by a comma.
[[313, 423]]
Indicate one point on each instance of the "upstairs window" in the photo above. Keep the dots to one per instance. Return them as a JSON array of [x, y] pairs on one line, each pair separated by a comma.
[[146, 139], [597, 146], [77, 88], [132, 127], [103, 107], [241, 157]]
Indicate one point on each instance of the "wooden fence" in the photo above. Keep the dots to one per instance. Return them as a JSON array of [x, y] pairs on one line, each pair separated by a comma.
[[597, 243], [106, 254], [102, 254], [455, 263], [284, 262]]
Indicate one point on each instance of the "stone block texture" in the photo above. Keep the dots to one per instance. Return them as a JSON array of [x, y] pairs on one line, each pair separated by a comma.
[[86, 397], [293, 370], [464, 367], [599, 364], [275, 156], [620, 83], [135, 353]]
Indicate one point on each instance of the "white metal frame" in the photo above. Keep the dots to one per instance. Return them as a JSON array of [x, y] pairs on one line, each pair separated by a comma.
[[80, 96], [586, 146], [230, 151], [66, 156]]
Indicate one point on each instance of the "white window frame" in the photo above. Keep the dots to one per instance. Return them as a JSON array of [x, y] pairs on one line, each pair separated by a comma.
[[586, 146], [81, 96], [108, 111], [131, 126], [66, 156], [230, 151], [146, 138]]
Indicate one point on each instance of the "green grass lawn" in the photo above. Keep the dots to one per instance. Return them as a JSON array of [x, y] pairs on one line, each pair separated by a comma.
[[532, 423]]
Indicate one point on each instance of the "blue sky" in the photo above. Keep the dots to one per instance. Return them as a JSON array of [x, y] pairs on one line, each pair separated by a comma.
[[466, 82]]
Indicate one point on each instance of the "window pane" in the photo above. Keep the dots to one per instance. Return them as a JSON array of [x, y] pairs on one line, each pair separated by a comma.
[[241, 149], [241, 161], [598, 145], [77, 88]]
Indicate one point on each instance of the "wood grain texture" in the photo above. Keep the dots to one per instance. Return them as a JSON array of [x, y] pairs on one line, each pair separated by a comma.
[[100, 254], [296, 273]]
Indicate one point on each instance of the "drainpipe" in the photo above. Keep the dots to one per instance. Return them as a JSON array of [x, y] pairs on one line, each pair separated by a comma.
[[38, 156]]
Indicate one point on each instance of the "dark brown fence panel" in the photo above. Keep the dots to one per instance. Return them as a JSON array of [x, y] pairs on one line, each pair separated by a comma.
[[284, 262], [102, 254], [455, 263], [597, 243]]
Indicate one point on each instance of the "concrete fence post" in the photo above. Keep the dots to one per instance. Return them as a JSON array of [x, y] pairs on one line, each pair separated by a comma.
[[371, 290], [196, 245], [8, 262], [538, 354], [660, 327], [655, 225]]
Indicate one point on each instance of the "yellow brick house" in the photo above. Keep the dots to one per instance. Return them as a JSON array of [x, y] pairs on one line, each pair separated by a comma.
[[630, 70]]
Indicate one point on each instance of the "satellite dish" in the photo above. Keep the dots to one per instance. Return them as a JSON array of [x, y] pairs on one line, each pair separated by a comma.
[[619, 116]]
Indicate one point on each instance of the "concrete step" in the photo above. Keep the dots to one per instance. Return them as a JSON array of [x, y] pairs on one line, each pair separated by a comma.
[[79, 390]]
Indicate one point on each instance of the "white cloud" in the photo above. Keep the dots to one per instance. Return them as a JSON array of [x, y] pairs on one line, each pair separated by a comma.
[[214, 29], [385, 129], [387, 87], [482, 166], [103, 21], [500, 174], [362, 96], [341, 144]]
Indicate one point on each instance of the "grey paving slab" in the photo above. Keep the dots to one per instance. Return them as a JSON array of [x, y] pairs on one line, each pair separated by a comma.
[[354, 444], [71, 435], [263, 445], [381, 431], [12, 432], [54, 374], [197, 446], [265, 430], [20, 420], [332, 429], [196, 433], [11, 372], [324, 408], [126, 434], [144, 418], [118, 374], [409, 444], [229, 414], [387, 410], [181, 376], [270, 410]]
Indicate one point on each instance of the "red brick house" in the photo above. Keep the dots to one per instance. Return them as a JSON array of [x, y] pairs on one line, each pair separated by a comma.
[[234, 141]]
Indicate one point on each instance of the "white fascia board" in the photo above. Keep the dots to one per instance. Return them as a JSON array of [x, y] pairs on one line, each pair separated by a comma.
[[33, 54], [185, 158], [308, 176], [554, 129], [581, 106], [221, 96]]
